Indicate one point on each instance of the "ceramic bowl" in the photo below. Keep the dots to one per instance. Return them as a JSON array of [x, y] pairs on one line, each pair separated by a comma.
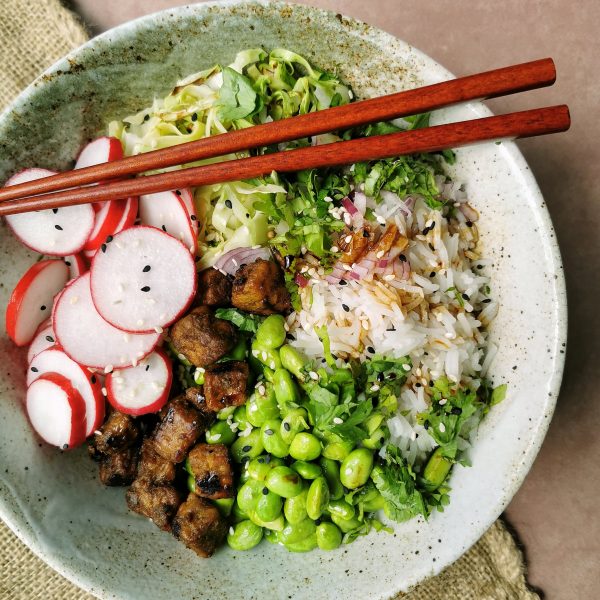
[[54, 502]]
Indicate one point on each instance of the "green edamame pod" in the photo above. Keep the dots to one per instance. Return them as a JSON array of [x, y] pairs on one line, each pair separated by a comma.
[[272, 440], [317, 498], [245, 535], [224, 505], [284, 481], [294, 421], [286, 390], [356, 468], [346, 525], [271, 332], [436, 470], [341, 509], [220, 433], [276, 525], [269, 506], [305, 446], [329, 537], [332, 474], [261, 407], [307, 470], [248, 495], [306, 545], [247, 447], [297, 532], [292, 360], [267, 356], [294, 508]]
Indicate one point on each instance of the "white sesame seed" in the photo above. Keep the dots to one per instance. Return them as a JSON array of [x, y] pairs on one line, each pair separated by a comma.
[[449, 335], [313, 375], [140, 354], [443, 401], [334, 249], [181, 357], [347, 219], [389, 277], [216, 437], [263, 355], [374, 388], [104, 392], [272, 365], [140, 322], [158, 329], [365, 325], [97, 432], [256, 247], [442, 427], [201, 369], [406, 367], [347, 267], [255, 353], [134, 362], [413, 436], [337, 420], [231, 531], [380, 254], [348, 239], [261, 390], [108, 369]]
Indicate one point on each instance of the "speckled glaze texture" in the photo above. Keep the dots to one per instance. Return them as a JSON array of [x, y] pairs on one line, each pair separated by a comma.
[[54, 502]]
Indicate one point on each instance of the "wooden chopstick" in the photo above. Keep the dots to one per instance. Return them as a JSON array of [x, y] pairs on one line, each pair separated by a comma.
[[490, 84], [527, 123]]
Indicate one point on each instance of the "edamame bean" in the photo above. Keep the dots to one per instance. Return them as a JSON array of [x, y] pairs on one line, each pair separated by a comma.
[[220, 433], [225, 413], [307, 470], [332, 474], [306, 545], [261, 407], [346, 525], [337, 450], [286, 390], [245, 535], [373, 502], [271, 536], [284, 481], [296, 532], [224, 505], [329, 537], [292, 360], [248, 495], [271, 332], [240, 417], [237, 513], [341, 509], [376, 439], [295, 420], [272, 440], [373, 422], [294, 508], [269, 506], [258, 468], [356, 468], [276, 525], [305, 446], [268, 374], [436, 470], [191, 483], [267, 356], [239, 351], [317, 498], [247, 447]]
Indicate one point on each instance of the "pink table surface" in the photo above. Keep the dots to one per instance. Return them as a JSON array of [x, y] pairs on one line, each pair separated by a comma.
[[555, 513]]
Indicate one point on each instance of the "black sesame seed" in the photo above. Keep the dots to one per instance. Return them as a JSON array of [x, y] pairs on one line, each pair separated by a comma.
[[65, 446], [146, 288], [148, 366], [343, 282], [486, 300], [55, 210], [464, 296], [93, 379], [480, 266], [267, 459], [286, 426], [178, 192], [469, 224], [380, 376], [402, 258], [58, 227], [265, 491], [366, 233], [269, 432], [247, 215], [50, 339], [196, 259], [430, 383], [392, 328], [146, 117], [193, 217], [391, 375], [103, 247], [346, 307], [228, 203], [426, 425], [418, 384], [261, 460], [370, 350], [289, 336], [246, 448], [244, 459], [34, 369], [287, 261], [146, 269], [432, 274], [109, 239], [163, 228], [431, 247], [67, 263], [456, 410], [43, 307], [194, 117]]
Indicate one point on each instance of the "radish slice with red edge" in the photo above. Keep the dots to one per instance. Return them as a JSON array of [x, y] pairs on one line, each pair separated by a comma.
[[77, 265], [186, 196], [144, 281], [31, 301], [101, 150], [143, 389], [56, 411], [107, 219], [54, 360], [167, 211], [90, 340], [129, 215], [57, 231], [44, 338]]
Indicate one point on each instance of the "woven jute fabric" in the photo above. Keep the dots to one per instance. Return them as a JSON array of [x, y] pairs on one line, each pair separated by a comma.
[[33, 34]]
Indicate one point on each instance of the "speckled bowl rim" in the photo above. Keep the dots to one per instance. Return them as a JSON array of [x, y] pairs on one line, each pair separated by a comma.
[[512, 154]]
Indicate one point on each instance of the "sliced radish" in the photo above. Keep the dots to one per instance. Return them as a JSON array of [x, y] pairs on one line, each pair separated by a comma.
[[107, 219], [188, 201], [101, 150], [44, 338], [54, 360], [31, 301], [58, 232], [144, 281], [129, 215], [87, 338], [167, 211], [77, 265], [143, 389], [56, 411]]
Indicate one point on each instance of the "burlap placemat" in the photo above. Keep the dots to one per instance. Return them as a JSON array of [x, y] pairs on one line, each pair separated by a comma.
[[33, 34]]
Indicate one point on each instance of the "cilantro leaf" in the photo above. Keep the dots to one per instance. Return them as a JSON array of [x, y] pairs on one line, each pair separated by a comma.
[[237, 98], [243, 321]]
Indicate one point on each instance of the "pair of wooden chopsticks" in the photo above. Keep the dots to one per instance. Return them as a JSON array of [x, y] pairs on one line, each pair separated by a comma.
[[54, 192]]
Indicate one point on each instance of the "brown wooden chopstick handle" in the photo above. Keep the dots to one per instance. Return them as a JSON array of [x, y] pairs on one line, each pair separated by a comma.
[[515, 125], [490, 84]]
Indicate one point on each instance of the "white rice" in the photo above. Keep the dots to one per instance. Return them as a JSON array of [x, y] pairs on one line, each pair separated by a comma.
[[441, 330]]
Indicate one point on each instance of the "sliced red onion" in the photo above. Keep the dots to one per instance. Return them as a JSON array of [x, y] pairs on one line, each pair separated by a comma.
[[354, 275], [360, 202], [361, 269], [300, 280], [382, 264], [231, 261], [347, 204], [405, 270]]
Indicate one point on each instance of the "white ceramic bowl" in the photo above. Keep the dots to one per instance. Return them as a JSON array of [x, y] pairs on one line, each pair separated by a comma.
[[54, 502]]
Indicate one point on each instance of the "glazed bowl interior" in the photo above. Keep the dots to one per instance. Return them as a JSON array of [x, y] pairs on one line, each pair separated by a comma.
[[53, 500]]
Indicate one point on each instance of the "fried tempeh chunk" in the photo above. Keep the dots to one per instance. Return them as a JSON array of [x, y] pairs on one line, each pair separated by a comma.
[[202, 338], [199, 525], [119, 467], [153, 467], [214, 288], [157, 502], [211, 467], [179, 430], [118, 432], [195, 396], [259, 288], [225, 384]]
